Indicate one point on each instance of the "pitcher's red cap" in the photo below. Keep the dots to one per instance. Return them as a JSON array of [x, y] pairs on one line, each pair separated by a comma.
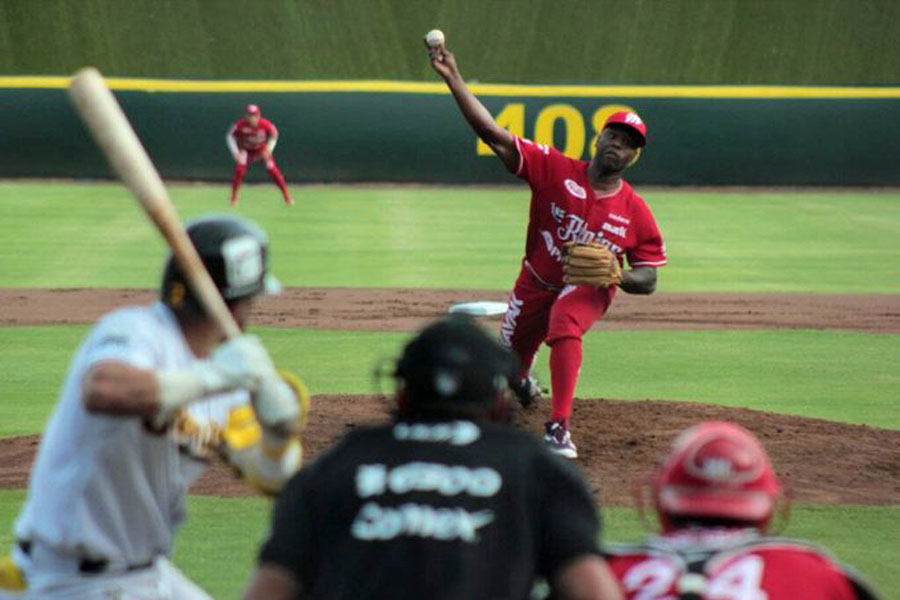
[[252, 109], [631, 120]]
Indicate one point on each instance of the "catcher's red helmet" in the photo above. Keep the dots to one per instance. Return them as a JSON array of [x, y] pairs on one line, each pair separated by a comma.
[[716, 469]]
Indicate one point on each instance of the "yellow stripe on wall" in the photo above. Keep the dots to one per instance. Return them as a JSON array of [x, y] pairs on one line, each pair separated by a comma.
[[483, 89]]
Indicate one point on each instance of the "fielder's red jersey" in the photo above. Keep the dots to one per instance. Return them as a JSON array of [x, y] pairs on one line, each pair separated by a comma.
[[564, 208], [731, 565], [252, 138]]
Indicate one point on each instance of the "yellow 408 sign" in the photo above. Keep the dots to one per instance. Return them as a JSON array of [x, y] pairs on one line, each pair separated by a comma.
[[512, 117]]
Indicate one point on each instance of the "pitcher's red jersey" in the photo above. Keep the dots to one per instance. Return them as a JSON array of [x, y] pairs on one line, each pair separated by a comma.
[[252, 138], [734, 566], [564, 208]]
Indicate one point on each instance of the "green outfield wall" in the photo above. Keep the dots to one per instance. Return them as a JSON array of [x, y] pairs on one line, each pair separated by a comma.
[[394, 131], [784, 42]]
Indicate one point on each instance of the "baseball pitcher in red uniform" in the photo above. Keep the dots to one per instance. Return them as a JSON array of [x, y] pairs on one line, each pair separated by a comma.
[[252, 138], [572, 201], [715, 493]]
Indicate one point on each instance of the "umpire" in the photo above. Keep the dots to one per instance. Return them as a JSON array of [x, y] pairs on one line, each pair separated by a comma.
[[445, 502]]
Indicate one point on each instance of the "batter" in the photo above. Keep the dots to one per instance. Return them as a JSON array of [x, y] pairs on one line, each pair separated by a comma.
[[150, 395]]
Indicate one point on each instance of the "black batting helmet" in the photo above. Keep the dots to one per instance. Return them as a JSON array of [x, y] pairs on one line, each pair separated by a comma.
[[235, 252], [453, 368]]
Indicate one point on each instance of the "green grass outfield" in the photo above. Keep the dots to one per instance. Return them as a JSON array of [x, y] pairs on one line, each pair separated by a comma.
[[78, 235], [849, 377], [861, 536]]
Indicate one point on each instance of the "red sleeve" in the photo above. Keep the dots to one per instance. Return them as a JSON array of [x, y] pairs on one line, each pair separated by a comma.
[[846, 583], [534, 161], [803, 573], [649, 249], [269, 126]]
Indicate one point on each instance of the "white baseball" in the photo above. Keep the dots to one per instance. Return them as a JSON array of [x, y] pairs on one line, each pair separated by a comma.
[[434, 38]]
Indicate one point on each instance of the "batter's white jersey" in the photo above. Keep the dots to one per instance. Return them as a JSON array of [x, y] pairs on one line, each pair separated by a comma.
[[104, 487]]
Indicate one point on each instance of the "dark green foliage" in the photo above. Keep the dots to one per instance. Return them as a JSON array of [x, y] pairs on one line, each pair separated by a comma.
[[791, 42]]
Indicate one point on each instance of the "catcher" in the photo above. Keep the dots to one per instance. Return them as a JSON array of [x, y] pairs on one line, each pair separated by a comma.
[[151, 396], [715, 494], [584, 219]]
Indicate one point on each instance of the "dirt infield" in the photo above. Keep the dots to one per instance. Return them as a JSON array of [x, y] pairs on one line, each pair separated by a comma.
[[822, 461], [618, 442], [381, 309]]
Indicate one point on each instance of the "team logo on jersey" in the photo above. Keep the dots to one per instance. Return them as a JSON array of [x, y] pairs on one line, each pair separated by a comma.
[[552, 250], [557, 212], [619, 218], [619, 230], [252, 135], [575, 189], [574, 229]]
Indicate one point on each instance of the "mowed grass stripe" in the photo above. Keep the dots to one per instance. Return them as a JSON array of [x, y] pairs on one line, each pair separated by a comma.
[[36, 359], [841, 376], [82, 235], [848, 377], [228, 531]]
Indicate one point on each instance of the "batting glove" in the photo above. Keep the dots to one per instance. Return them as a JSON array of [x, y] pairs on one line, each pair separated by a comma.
[[239, 363], [242, 362], [275, 403]]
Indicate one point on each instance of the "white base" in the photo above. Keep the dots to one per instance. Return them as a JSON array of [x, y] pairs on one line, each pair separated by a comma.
[[478, 308]]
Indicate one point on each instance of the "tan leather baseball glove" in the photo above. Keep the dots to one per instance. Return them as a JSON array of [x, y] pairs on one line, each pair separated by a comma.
[[590, 264]]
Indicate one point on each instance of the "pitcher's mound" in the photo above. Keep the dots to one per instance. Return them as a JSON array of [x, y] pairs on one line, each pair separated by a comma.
[[620, 441]]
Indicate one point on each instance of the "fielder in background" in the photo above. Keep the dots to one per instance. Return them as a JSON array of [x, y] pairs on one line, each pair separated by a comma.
[[252, 138], [151, 395], [446, 502], [584, 219], [715, 494]]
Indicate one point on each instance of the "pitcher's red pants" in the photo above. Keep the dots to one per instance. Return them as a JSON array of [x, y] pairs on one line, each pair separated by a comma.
[[559, 316]]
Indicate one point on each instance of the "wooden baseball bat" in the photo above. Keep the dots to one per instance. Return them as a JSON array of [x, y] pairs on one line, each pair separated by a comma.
[[109, 127]]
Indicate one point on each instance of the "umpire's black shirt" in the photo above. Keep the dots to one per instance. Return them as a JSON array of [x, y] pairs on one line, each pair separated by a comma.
[[432, 510]]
